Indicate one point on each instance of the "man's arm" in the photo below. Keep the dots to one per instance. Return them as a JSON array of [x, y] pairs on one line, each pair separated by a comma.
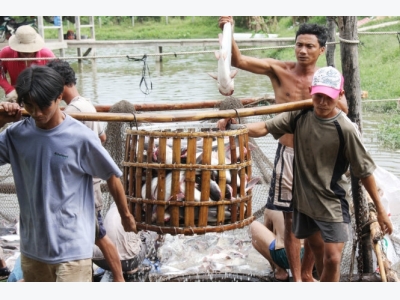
[[252, 64], [256, 129], [383, 219], [9, 112], [103, 138], [4, 84], [117, 192], [342, 104]]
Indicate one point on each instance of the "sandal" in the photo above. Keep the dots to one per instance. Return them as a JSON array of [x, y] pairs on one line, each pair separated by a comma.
[[4, 273], [274, 279]]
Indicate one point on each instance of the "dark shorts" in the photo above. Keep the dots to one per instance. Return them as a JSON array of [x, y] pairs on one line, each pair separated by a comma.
[[100, 229], [279, 256], [126, 264], [332, 232]]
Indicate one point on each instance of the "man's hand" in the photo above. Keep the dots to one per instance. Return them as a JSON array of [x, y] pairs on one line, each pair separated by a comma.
[[223, 20], [12, 113], [223, 123], [12, 96], [129, 223], [117, 192], [383, 219], [385, 223]]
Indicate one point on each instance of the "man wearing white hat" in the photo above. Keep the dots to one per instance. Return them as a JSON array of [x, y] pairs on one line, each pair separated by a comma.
[[26, 43]]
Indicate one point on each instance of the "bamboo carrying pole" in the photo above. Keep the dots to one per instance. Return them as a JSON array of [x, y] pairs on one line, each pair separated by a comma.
[[186, 105], [376, 236], [385, 270], [188, 116]]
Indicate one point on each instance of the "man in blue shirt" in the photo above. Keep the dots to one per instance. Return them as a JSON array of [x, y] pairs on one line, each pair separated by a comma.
[[54, 159]]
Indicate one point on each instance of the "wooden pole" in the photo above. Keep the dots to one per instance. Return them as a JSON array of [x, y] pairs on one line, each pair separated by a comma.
[[376, 236], [351, 73], [330, 49], [186, 105], [188, 116]]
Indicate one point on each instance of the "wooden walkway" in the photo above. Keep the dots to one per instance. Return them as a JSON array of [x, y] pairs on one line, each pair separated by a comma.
[[91, 43]]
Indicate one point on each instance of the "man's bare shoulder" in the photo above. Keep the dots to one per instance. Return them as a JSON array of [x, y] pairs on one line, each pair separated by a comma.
[[279, 66], [287, 65]]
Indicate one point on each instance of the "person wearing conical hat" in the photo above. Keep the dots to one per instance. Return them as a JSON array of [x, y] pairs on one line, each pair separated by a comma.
[[26, 43]]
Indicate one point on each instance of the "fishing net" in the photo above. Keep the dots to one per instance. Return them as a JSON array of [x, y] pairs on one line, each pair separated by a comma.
[[115, 143], [262, 154]]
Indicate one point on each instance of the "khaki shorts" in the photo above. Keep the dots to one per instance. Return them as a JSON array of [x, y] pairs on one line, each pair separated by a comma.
[[280, 192], [71, 271]]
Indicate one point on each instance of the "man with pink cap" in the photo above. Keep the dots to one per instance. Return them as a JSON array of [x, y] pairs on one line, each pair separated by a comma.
[[326, 144]]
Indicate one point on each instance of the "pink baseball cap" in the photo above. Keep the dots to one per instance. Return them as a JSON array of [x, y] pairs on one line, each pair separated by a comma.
[[328, 81]]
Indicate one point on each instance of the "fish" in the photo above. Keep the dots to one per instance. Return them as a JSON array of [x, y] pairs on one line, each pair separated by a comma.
[[215, 191], [225, 76], [154, 193]]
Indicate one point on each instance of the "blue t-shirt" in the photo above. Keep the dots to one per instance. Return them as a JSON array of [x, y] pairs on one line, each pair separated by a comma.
[[53, 172]]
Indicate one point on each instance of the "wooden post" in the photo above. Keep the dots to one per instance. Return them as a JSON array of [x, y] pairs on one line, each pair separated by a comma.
[[351, 73], [92, 30], [133, 21], [159, 50], [166, 20], [41, 26], [330, 49], [78, 36]]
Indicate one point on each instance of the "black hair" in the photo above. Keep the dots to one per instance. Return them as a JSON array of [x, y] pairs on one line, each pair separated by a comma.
[[64, 69], [321, 32], [39, 84]]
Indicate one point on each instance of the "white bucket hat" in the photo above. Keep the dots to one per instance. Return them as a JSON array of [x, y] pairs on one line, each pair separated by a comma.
[[26, 39]]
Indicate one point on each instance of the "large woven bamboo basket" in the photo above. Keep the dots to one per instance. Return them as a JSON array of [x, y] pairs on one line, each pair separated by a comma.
[[179, 178]]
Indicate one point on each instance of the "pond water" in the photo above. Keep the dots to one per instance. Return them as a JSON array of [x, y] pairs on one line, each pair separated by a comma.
[[184, 78]]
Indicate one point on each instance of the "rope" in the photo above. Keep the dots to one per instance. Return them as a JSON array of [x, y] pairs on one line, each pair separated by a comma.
[[379, 100], [237, 114], [134, 116], [377, 33], [349, 41], [144, 75]]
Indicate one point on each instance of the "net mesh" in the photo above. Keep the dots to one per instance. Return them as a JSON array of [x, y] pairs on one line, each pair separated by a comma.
[[262, 166]]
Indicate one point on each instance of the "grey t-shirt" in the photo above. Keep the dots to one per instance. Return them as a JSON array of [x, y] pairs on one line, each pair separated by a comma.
[[53, 172], [81, 104], [324, 150]]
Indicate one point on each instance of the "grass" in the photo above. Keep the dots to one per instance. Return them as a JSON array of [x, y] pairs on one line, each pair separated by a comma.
[[390, 129], [176, 28]]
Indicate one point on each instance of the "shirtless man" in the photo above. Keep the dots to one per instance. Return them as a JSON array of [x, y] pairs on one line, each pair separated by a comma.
[[290, 81]]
